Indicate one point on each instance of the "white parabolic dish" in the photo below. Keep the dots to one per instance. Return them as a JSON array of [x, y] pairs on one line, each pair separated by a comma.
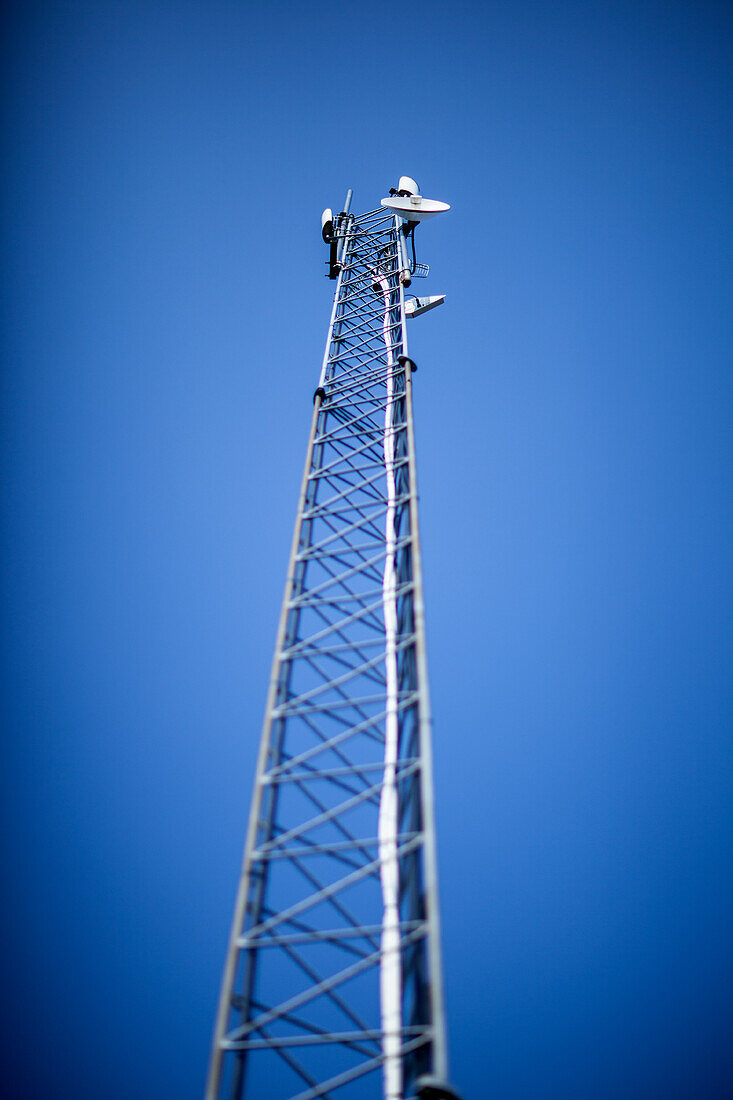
[[414, 208]]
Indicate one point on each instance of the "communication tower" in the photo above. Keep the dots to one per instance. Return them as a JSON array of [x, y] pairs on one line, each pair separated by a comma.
[[333, 982]]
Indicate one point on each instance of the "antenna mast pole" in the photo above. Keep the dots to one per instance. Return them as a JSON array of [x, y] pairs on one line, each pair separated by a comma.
[[333, 974]]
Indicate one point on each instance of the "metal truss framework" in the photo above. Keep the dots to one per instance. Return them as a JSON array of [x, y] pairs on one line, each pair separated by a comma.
[[333, 974]]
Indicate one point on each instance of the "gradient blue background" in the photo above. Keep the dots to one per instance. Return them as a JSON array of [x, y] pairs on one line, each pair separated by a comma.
[[166, 167]]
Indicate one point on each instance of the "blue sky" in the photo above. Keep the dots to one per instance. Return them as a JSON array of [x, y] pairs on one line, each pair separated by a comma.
[[166, 167]]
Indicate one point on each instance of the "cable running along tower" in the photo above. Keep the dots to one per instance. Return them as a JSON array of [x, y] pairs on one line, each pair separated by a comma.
[[333, 983]]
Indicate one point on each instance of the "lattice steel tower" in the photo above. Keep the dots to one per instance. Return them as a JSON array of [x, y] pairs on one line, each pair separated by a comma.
[[333, 984]]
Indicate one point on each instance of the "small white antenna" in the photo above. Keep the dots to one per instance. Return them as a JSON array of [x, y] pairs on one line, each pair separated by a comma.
[[414, 307], [407, 186], [327, 225]]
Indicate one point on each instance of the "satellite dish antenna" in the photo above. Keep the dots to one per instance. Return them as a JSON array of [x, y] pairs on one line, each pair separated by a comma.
[[414, 208]]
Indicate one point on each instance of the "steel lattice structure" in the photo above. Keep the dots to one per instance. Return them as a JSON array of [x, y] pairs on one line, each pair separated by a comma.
[[333, 974]]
